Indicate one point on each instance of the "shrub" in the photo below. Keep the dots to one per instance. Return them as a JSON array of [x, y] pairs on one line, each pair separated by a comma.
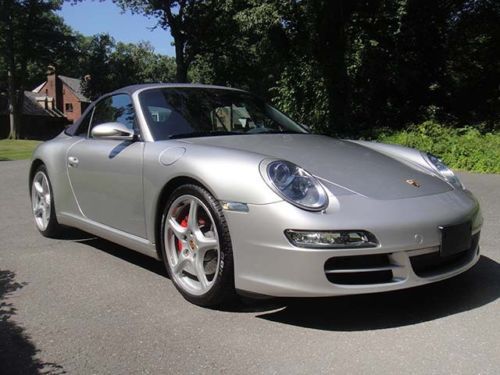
[[464, 148]]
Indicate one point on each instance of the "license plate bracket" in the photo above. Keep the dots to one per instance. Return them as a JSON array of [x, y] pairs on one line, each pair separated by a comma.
[[455, 238]]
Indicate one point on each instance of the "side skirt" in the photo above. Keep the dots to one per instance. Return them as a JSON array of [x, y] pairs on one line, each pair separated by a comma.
[[136, 243]]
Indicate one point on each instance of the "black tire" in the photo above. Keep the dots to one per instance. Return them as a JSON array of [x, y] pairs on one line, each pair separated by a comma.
[[53, 229], [222, 291]]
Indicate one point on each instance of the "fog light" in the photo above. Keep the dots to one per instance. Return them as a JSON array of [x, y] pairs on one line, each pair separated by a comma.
[[343, 239]]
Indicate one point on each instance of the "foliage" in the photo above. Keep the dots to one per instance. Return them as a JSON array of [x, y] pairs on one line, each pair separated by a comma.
[[249, 49], [464, 148], [107, 65], [300, 92], [16, 149], [30, 35], [361, 65], [191, 23]]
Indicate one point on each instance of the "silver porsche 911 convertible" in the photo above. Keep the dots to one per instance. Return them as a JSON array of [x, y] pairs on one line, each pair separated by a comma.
[[235, 197]]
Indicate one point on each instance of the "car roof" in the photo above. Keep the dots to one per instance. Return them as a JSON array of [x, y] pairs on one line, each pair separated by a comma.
[[140, 87]]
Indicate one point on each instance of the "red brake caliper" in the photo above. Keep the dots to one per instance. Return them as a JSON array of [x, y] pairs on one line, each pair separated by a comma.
[[184, 223]]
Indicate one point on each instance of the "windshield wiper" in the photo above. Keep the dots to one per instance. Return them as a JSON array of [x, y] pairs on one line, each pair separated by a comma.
[[202, 134]]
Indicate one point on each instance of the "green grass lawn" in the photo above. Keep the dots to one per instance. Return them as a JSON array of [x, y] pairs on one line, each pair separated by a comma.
[[16, 149]]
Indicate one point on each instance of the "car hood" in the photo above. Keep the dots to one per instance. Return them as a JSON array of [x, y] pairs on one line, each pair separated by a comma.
[[342, 163]]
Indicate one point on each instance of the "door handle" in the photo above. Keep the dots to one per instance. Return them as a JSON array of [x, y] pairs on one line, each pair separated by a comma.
[[73, 161]]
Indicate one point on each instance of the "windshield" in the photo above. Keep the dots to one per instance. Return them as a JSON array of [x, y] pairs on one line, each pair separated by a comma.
[[198, 112]]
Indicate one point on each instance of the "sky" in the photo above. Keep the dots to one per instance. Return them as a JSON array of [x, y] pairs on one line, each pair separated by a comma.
[[95, 17]]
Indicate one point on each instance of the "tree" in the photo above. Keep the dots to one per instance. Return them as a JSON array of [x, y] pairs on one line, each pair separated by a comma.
[[269, 44], [190, 23], [472, 68], [30, 34], [341, 66], [95, 65], [404, 61], [107, 65], [327, 24], [248, 47]]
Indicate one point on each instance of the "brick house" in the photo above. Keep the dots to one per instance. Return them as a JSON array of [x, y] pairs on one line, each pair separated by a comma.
[[47, 109], [65, 93]]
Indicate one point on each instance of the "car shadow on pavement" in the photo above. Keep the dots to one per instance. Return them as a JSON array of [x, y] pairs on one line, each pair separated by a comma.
[[470, 290], [17, 351]]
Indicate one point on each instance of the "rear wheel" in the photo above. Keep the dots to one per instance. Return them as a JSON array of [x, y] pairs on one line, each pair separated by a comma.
[[42, 202], [196, 246]]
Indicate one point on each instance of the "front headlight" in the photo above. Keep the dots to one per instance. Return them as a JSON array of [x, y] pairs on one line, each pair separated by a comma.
[[295, 185], [441, 168]]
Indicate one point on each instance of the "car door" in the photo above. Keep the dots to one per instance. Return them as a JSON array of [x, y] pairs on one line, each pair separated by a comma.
[[106, 174]]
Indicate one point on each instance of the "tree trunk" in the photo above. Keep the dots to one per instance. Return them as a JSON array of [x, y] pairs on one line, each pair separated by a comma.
[[13, 102], [180, 61], [11, 78], [13, 107]]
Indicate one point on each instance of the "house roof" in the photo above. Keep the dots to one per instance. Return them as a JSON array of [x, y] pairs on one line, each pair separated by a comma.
[[75, 85], [39, 87], [32, 108]]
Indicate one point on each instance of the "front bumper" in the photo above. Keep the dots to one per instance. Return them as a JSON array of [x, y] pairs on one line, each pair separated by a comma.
[[408, 254]]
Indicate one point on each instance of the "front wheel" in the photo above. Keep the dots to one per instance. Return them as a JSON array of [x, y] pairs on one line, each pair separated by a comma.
[[42, 202], [196, 247]]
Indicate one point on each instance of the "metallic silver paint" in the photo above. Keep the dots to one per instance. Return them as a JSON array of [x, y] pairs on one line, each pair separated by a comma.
[[112, 130], [298, 272], [171, 155], [114, 192], [107, 183], [373, 174]]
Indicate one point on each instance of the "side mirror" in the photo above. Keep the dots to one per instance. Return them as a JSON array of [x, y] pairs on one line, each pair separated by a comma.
[[112, 130]]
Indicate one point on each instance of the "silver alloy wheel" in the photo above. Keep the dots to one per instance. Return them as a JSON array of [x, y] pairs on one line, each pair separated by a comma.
[[40, 200], [192, 245]]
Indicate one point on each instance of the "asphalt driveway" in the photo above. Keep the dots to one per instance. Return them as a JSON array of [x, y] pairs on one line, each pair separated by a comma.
[[83, 305]]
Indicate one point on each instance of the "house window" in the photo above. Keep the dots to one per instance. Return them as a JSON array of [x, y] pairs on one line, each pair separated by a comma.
[[68, 107]]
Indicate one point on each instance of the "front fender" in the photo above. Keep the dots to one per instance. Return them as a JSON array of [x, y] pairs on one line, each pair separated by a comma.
[[229, 175], [53, 155]]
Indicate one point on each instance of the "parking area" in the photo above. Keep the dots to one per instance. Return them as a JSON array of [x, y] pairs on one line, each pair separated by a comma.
[[82, 305]]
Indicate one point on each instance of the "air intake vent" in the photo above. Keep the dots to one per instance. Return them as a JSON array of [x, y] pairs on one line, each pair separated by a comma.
[[360, 270]]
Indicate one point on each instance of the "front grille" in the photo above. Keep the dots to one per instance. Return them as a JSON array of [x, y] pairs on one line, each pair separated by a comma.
[[359, 270], [431, 264]]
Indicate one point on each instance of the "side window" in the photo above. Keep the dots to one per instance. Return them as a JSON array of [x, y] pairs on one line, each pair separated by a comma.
[[83, 128], [116, 108]]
